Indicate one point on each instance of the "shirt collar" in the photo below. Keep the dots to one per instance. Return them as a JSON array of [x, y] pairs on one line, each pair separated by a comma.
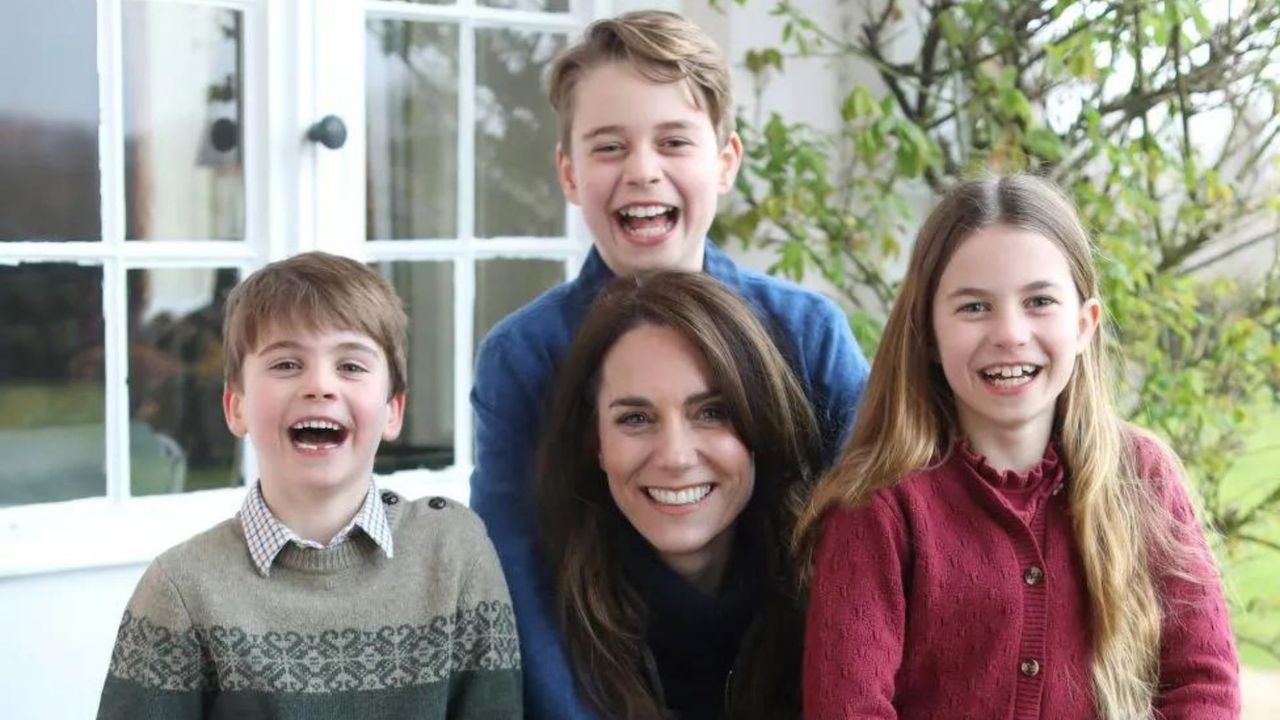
[[595, 274], [267, 536]]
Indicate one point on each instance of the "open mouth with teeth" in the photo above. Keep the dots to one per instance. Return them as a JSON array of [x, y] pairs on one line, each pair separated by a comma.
[[1008, 376], [679, 497], [648, 221], [317, 434]]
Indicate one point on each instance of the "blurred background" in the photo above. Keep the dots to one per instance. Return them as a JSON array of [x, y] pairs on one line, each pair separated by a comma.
[[152, 152]]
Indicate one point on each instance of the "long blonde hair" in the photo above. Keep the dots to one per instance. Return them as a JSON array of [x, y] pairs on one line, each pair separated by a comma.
[[907, 421]]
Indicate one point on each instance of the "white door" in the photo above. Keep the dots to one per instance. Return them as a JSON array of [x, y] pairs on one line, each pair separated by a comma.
[[153, 151]]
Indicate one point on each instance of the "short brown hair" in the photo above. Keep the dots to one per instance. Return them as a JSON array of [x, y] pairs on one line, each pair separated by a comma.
[[663, 47], [312, 291]]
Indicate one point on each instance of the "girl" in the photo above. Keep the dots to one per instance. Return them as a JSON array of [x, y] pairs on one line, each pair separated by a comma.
[[671, 472], [995, 542]]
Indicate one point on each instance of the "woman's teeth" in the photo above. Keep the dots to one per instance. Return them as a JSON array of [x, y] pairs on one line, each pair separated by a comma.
[[685, 496]]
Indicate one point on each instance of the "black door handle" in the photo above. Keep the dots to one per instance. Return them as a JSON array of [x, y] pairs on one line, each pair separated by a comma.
[[330, 132]]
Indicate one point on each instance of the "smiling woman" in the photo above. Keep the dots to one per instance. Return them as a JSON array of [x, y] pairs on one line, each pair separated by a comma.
[[678, 448]]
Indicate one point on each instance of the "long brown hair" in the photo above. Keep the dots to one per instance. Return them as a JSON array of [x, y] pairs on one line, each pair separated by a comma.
[[602, 616], [907, 421]]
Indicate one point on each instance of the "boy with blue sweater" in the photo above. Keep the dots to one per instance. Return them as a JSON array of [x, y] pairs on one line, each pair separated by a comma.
[[646, 148]]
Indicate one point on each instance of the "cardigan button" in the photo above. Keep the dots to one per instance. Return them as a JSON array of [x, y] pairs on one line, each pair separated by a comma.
[[437, 503], [1033, 575], [390, 498], [1030, 668]]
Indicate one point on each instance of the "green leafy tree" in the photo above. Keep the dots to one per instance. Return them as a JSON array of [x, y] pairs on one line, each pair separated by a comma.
[[1160, 117]]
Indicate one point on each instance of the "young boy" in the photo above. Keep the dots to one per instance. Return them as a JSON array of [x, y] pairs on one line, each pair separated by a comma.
[[324, 597], [646, 148]]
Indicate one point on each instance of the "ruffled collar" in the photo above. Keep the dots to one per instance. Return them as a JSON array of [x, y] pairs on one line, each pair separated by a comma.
[[1048, 471]]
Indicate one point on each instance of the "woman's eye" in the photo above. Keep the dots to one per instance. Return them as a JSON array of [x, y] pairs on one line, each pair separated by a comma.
[[1041, 301], [633, 419], [713, 412]]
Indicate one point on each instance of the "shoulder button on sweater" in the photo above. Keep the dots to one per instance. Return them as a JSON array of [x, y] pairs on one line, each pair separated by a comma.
[[1030, 668], [437, 503], [390, 498]]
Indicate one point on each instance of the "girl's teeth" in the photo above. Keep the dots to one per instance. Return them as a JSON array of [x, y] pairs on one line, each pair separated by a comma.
[[687, 496]]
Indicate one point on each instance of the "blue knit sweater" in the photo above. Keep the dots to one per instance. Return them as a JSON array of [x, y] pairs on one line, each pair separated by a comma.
[[515, 367]]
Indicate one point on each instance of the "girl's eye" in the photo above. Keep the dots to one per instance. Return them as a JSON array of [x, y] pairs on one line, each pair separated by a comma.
[[972, 308], [1041, 301], [676, 142], [350, 367], [285, 365]]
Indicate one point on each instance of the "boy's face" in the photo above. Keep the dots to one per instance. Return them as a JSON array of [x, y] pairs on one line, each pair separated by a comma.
[[646, 168], [315, 405]]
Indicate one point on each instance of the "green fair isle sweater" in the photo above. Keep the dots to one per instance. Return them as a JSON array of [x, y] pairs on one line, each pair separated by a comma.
[[339, 633]]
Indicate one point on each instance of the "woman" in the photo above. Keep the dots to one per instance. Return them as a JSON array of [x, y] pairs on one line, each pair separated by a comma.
[[678, 452]]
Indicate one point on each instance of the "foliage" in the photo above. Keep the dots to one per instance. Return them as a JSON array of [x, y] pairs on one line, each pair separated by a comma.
[[1160, 117]]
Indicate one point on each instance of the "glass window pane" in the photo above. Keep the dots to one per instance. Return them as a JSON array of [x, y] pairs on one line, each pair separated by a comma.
[[516, 130], [411, 75], [183, 116], [427, 437], [504, 285], [52, 391], [49, 121], [531, 5], [178, 440]]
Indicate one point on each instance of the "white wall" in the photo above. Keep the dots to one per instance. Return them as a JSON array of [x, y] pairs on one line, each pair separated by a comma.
[[56, 633]]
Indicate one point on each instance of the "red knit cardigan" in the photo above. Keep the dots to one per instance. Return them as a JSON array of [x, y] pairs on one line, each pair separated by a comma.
[[959, 593]]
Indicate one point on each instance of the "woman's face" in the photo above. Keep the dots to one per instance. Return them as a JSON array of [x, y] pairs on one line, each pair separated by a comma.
[[676, 468]]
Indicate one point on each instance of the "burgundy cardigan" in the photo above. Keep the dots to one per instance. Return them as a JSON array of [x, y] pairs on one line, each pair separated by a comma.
[[959, 593]]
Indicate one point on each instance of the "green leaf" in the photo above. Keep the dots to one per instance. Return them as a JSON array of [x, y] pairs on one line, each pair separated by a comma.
[[1014, 104], [1044, 143], [859, 103]]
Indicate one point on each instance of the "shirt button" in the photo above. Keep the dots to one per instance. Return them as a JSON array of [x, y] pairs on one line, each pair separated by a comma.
[[1033, 575], [437, 503], [1030, 668], [390, 498]]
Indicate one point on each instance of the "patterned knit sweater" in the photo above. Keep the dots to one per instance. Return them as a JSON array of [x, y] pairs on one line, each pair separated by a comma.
[[959, 593], [343, 632]]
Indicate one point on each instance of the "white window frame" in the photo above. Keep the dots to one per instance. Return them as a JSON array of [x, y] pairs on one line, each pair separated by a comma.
[[299, 196]]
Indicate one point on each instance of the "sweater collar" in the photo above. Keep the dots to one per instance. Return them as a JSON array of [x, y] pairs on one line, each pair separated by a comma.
[[267, 537], [1049, 470], [698, 630]]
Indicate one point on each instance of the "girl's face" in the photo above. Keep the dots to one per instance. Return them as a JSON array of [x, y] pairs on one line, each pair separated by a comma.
[[1009, 325], [676, 468]]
